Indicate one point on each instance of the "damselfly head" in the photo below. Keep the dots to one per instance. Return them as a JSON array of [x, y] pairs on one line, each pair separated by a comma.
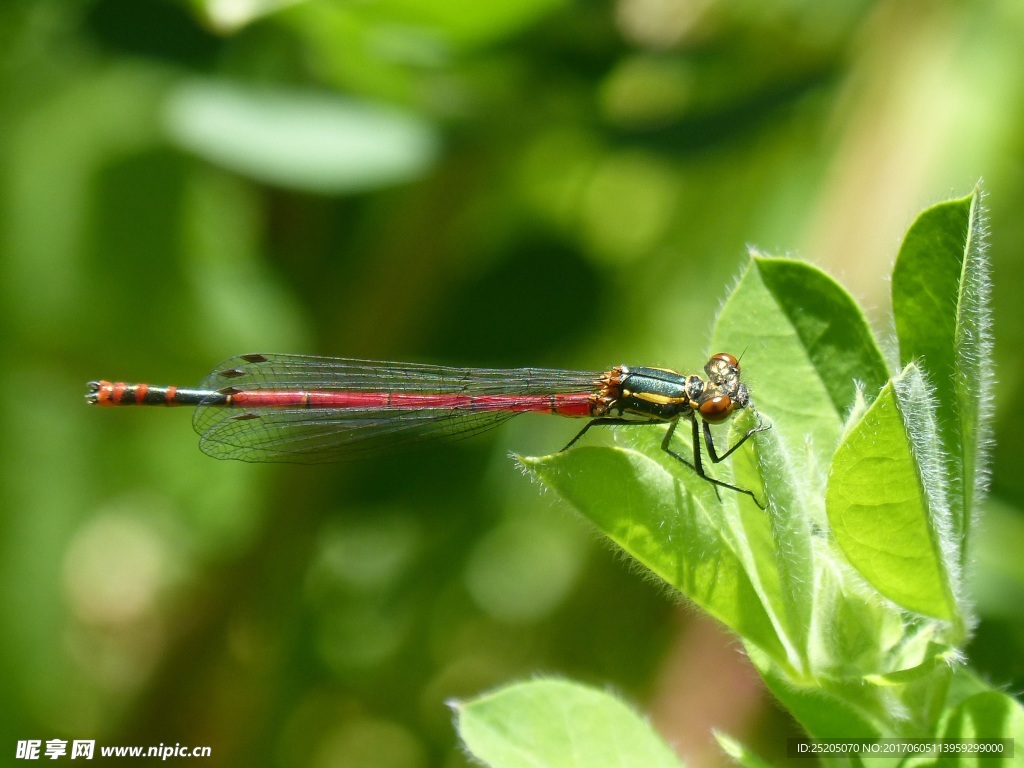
[[724, 392], [722, 368]]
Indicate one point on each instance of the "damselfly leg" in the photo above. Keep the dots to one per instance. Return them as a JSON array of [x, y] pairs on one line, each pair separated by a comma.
[[697, 465]]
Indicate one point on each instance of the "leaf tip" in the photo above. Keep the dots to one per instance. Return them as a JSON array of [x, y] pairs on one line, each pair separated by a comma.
[[455, 706]]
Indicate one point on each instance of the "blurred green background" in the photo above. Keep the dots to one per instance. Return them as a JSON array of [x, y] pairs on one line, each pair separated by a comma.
[[517, 182]]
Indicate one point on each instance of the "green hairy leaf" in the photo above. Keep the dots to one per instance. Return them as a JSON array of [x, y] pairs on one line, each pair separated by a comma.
[[558, 724], [847, 589]]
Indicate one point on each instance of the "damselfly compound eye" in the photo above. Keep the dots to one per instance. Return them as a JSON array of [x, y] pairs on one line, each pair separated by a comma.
[[716, 408], [723, 369]]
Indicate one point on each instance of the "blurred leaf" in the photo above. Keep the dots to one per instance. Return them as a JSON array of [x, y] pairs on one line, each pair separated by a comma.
[[740, 752], [645, 89], [239, 303], [880, 509], [558, 724], [75, 133], [627, 206], [467, 22], [940, 295], [997, 576], [230, 15], [303, 140]]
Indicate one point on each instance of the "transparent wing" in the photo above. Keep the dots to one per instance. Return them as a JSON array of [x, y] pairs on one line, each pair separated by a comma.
[[319, 435]]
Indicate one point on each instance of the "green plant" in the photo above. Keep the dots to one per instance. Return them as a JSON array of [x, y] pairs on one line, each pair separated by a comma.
[[848, 592]]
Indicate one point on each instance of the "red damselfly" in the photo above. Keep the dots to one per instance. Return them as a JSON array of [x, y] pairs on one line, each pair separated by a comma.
[[304, 409]]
